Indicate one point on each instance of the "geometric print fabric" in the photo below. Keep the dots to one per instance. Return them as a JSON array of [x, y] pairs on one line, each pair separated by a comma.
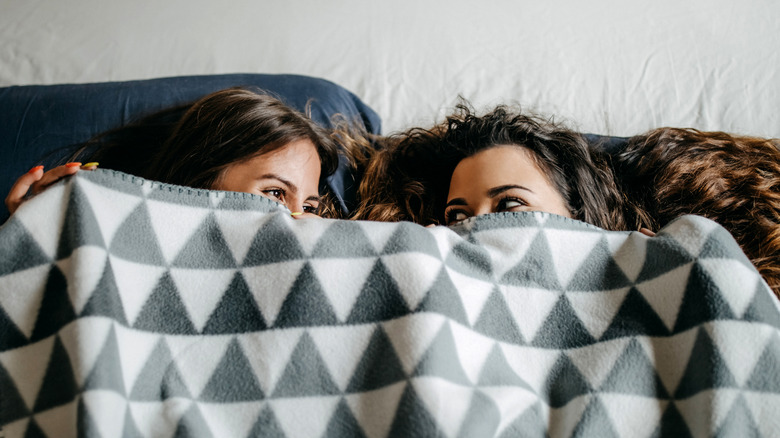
[[154, 310]]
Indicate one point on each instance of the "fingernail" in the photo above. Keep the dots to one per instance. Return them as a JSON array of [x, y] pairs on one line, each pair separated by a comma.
[[35, 169], [73, 164], [91, 164], [296, 213]]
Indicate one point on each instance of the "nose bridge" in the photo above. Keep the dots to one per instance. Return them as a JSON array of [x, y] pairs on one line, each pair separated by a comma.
[[484, 206], [294, 203]]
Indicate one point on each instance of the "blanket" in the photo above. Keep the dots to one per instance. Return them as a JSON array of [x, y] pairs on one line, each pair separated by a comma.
[[138, 309]]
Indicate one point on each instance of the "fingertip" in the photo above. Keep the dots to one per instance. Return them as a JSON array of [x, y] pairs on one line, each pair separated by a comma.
[[35, 170]]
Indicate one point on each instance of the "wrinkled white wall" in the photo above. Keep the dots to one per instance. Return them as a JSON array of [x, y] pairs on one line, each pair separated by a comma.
[[608, 66]]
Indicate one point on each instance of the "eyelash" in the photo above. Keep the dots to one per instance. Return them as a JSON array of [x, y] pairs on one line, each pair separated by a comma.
[[450, 217], [503, 201], [280, 195]]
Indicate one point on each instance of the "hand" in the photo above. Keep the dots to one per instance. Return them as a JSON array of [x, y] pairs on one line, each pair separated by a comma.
[[647, 232], [35, 181]]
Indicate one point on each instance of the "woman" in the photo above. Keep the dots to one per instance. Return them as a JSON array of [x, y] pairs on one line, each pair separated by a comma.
[[732, 180], [232, 140], [501, 161]]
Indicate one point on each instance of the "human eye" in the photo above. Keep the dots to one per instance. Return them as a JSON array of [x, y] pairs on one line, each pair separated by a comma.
[[276, 194], [510, 204], [453, 216], [311, 208]]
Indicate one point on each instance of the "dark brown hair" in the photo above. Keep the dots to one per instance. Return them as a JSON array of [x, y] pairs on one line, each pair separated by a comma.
[[409, 178], [192, 145], [733, 180]]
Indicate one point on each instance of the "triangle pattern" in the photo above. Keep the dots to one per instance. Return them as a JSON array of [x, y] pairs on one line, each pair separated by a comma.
[[412, 418], [628, 252], [678, 348], [319, 410], [379, 233], [83, 269], [236, 312], [85, 424], [27, 253], [690, 232], [21, 314], [634, 373], [160, 378], [344, 240], [441, 359], [44, 222], [34, 431], [236, 227], [134, 234], [662, 256], [529, 424], [598, 271], [114, 208], [233, 380], [135, 283], [665, 293], [533, 365], [409, 236], [735, 281], [739, 422], [343, 423], [206, 248], [267, 426], [78, 217], [174, 224], [342, 348], [635, 315], [342, 280], [497, 372], [742, 345], [378, 367], [199, 357], [164, 311], [473, 293], [130, 430], [269, 354], [309, 233], [631, 415], [706, 369], [446, 402], [496, 321], [270, 284], [699, 290], [565, 383], [231, 419], [473, 349], [27, 367], [414, 274], [107, 371], [595, 421], [505, 249], [55, 311], [763, 308], [374, 410], [565, 261], [51, 421], [192, 423], [470, 260], [101, 407], [14, 407], [306, 373], [520, 299], [563, 320], [273, 243], [307, 294], [10, 336], [412, 336], [443, 298], [380, 299], [596, 361], [59, 383], [534, 269], [200, 291], [763, 377], [105, 300], [482, 418], [596, 310]]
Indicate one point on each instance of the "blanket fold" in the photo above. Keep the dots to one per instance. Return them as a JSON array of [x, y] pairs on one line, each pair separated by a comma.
[[134, 308]]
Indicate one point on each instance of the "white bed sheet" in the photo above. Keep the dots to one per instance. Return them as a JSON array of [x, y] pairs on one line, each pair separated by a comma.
[[607, 66]]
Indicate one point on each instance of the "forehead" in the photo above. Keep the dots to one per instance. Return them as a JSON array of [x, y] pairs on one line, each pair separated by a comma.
[[503, 163]]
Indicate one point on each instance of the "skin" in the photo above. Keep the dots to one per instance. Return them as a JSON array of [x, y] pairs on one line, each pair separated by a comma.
[[498, 179], [288, 175]]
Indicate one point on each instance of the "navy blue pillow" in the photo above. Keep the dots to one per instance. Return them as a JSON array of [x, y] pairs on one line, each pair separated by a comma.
[[38, 121]]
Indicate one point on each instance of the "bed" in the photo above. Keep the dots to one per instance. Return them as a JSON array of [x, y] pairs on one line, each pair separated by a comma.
[[156, 310]]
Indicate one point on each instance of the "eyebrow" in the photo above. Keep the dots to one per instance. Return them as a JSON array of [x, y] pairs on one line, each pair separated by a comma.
[[290, 186], [495, 191]]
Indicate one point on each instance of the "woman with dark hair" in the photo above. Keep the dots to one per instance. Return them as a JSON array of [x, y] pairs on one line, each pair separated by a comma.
[[233, 140], [501, 161], [733, 180]]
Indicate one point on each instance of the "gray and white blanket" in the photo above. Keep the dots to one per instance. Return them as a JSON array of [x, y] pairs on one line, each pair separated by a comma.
[[130, 308]]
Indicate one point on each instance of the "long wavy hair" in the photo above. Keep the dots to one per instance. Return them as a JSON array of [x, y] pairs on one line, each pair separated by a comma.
[[192, 145], [409, 177], [733, 180]]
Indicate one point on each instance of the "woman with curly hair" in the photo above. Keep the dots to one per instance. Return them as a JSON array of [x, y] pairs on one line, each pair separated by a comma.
[[733, 180], [504, 160]]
